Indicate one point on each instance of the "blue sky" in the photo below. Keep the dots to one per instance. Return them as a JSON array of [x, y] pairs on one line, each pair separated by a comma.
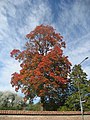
[[18, 17]]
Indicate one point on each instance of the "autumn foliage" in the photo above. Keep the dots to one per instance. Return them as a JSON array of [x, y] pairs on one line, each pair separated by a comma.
[[44, 68]]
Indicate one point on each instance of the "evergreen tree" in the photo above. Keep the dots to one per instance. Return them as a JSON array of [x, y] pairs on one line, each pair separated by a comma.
[[79, 87]]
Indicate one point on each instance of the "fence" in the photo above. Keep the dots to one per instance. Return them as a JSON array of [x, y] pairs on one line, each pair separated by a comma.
[[42, 115]]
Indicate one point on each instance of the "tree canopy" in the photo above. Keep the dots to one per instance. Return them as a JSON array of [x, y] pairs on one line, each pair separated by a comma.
[[79, 87], [9, 100], [44, 68]]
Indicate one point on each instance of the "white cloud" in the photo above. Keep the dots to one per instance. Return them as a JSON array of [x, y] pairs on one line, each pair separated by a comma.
[[21, 16], [73, 22], [80, 47], [16, 20], [10, 66], [73, 19], [40, 13], [3, 22], [87, 70]]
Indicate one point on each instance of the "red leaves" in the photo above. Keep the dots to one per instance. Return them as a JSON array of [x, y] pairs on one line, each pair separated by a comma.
[[14, 52], [37, 72], [42, 63], [15, 79], [58, 50], [44, 37], [52, 74], [60, 80]]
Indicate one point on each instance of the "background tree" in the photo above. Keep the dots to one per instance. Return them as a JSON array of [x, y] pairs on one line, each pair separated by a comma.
[[44, 68], [9, 100], [34, 107], [78, 78]]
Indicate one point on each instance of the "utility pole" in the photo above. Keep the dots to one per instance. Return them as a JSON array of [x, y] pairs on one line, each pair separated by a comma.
[[81, 102]]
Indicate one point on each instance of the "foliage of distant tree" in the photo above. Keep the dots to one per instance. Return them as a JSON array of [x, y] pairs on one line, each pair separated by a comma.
[[44, 68], [34, 107], [10, 101], [78, 82]]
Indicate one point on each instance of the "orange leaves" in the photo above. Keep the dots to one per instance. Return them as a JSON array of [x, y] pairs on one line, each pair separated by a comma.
[[15, 78], [58, 36], [37, 72], [30, 36], [42, 63], [52, 74], [44, 29], [58, 50], [60, 80], [41, 93], [43, 38]]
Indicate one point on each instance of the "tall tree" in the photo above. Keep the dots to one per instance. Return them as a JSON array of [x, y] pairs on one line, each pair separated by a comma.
[[79, 88], [44, 68]]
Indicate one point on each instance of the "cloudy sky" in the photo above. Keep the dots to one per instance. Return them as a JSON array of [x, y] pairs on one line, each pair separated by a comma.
[[18, 17]]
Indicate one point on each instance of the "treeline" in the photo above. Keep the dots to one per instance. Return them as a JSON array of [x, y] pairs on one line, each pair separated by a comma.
[[12, 101], [46, 72], [78, 87], [9, 100]]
